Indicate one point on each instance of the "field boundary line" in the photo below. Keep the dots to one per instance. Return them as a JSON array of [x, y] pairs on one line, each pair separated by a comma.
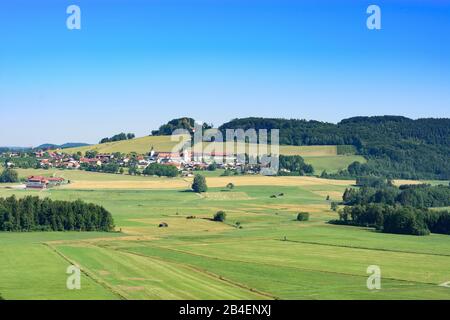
[[364, 248], [289, 267], [87, 273], [200, 270]]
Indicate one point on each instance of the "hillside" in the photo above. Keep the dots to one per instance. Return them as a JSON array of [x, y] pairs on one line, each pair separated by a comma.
[[141, 145], [397, 147], [392, 146]]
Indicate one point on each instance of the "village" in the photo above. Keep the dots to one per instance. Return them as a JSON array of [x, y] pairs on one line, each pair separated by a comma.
[[186, 163]]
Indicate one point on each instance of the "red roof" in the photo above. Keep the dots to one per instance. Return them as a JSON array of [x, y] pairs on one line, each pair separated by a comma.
[[37, 178], [55, 179]]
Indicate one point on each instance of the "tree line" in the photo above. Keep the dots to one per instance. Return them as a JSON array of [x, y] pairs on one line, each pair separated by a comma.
[[402, 210], [118, 137], [395, 147], [396, 219], [417, 196], [35, 214]]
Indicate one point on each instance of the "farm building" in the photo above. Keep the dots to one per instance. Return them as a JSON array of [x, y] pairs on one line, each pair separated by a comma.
[[38, 182]]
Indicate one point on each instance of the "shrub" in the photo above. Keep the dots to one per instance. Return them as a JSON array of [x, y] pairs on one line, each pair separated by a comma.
[[303, 216], [230, 186], [220, 216], [199, 184]]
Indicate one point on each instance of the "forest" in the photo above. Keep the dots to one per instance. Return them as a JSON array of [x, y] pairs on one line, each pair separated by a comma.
[[395, 146], [35, 214], [402, 210]]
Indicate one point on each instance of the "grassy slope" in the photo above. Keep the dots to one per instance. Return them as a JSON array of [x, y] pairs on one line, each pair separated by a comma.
[[186, 259], [141, 145], [332, 164]]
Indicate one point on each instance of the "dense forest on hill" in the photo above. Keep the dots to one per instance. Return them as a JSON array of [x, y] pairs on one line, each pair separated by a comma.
[[180, 123], [396, 147]]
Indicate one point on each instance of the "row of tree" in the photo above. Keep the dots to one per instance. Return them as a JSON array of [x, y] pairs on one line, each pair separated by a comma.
[[35, 214], [119, 137], [419, 196], [396, 219], [111, 167]]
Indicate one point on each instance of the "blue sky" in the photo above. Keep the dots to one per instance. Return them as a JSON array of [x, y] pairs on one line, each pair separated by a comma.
[[136, 64]]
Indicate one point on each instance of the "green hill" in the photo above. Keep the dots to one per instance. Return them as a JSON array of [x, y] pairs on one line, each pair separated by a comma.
[[139, 145]]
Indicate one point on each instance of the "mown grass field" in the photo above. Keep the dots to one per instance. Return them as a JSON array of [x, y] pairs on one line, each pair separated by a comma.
[[272, 256]]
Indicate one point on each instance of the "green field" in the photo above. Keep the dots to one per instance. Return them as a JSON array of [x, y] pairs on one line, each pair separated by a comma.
[[272, 256], [332, 164]]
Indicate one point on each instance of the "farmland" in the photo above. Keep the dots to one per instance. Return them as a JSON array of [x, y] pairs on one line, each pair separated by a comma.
[[270, 256]]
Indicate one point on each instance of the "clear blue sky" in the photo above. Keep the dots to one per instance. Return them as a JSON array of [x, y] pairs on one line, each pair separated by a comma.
[[136, 64]]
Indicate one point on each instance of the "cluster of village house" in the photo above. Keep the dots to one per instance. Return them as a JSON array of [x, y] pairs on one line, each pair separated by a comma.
[[185, 162]]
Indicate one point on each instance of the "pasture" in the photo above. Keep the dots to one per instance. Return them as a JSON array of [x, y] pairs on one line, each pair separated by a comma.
[[259, 252]]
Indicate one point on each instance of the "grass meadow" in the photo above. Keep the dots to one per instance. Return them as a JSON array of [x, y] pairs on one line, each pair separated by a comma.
[[270, 256]]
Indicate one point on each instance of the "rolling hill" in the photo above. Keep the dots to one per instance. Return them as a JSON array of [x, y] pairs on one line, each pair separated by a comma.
[[141, 145]]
